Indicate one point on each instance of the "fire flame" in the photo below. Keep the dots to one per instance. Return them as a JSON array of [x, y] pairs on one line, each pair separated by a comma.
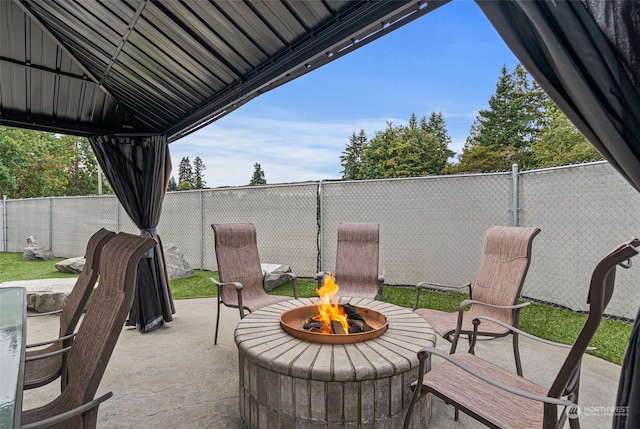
[[327, 310]]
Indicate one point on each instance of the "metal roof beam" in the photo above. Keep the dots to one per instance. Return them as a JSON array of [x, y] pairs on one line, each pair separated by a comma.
[[44, 69], [317, 46], [24, 5]]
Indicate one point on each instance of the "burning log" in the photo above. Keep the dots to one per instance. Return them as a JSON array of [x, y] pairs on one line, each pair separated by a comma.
[[312, 325], [335, 318], [336, 327], [356, 322]]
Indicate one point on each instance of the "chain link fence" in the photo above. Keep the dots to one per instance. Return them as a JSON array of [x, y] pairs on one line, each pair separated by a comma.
[[583, 211], [431, 228]]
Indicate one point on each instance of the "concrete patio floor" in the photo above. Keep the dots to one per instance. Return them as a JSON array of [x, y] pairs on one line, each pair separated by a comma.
[[175, 377]]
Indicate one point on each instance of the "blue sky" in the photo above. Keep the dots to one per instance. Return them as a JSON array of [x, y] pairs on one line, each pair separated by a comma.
[[448, 61]]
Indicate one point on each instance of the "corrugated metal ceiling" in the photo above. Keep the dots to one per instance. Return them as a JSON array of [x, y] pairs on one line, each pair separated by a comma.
[[169, 67]]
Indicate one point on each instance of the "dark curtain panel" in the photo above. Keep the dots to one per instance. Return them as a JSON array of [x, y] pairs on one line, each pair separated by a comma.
[[585, 55], [138, 170]]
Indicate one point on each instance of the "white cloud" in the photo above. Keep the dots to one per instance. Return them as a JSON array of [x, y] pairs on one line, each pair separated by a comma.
[[287, 150]]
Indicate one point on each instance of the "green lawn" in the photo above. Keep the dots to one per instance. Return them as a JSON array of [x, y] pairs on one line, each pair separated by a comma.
[[551, 323]]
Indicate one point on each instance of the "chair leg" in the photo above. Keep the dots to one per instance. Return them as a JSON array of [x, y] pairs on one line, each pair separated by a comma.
[[215, 341], [574, 388], [516, 353], [454, 343]]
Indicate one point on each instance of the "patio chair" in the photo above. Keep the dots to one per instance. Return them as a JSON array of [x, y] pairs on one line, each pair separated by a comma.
[[241, 282], [46, 364], [500, 399], [357, 259], [506, 256], [97, 335]]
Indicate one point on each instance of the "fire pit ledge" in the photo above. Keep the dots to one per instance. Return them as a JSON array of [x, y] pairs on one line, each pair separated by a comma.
[[286, 381]]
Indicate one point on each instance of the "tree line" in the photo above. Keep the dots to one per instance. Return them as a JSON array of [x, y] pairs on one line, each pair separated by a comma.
[[39, 164], [189, 177], [521, 126]]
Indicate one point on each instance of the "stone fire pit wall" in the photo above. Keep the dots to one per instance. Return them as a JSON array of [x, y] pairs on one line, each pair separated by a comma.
[[286, 382]]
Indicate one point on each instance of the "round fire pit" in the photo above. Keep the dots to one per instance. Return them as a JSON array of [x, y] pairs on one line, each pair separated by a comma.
[[292, 321], [290, 382]]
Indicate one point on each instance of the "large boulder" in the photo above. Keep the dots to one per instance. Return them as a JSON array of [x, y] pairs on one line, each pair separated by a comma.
[[275, 275], [177, 266], [71, 265], [36, 250], [45, 295]]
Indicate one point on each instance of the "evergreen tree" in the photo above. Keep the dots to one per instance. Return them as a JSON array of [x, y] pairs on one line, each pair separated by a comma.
[[561, 143], [405, 151], [172, 185], [510, 127], [258, 176], [351, 157], [198, 169], [185, 173], [439, 152]]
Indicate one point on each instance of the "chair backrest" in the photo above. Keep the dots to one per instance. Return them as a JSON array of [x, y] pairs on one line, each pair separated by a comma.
[[600, 292], [79, 296], [237, 256], [105, 317], [357, 258], [506, 256]]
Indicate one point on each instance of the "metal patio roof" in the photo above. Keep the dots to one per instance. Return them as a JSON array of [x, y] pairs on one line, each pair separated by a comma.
[[169, 67]]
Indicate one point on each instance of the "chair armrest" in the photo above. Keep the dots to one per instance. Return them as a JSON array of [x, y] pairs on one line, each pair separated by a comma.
[[428, 285], [477, 320], [425, 352], [47, 355], [57, 340], [466, 302], [68, 414], [44, 314], [237, 285]]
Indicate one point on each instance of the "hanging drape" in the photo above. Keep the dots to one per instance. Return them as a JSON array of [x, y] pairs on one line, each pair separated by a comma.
[[586, 56], [138, 170]]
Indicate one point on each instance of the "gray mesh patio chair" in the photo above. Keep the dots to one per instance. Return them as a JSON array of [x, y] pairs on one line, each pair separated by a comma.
[[357, 260], [45, 364], [97, 335], [500, 399], [241, 282], [506, 256]]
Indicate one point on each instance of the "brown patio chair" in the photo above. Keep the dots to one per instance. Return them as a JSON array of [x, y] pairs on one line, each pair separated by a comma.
[[97, 335], [357, 260], [500, 399], [44, 365], [241, 282], [506, 256]]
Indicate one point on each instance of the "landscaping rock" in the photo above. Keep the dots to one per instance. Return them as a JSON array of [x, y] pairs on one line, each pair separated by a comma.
[[275, 275], [177, 266], [71, 265], [45, 295], [36, 250]]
